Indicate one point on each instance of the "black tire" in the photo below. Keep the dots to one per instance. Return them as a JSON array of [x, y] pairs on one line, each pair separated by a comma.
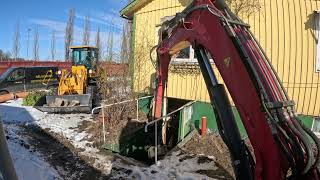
[[3, 92], [95, 96], [90, 90]]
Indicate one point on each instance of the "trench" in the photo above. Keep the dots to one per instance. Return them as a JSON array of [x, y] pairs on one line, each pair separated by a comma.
[[140, 145]]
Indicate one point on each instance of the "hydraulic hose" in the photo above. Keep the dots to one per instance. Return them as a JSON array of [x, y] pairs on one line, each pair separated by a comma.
[[303, 130], [268, 61], [314, 138], [286, 153], [307, 145]]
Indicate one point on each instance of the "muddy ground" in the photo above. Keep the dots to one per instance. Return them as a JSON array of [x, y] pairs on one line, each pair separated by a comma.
[[63, 156]]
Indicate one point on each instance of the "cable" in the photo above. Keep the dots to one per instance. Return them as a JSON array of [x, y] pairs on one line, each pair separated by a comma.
[[151, 58]]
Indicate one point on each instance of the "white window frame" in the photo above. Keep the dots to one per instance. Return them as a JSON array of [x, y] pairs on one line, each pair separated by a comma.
[[317, 30], [191, 59]]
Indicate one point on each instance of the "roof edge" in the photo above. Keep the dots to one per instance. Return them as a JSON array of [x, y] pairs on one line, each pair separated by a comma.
[[128, 11]]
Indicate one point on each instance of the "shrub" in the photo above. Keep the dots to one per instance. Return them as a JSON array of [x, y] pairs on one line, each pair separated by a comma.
[[33, 98]]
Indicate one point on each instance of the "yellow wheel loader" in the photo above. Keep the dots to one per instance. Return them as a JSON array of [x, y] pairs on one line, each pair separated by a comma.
[[77, 88]]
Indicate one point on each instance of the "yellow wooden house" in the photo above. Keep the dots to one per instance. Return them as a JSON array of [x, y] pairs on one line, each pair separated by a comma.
[[288, 30]]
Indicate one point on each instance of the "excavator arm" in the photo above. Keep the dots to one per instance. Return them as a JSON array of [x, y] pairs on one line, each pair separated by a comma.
[[282, 145]]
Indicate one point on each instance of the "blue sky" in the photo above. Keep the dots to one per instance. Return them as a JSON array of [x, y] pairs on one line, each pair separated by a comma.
[[52, 15]]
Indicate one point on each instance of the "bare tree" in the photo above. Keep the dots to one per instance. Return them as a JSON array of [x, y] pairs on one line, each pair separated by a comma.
[[16, 42], [86, 31], [1, 55], [28, 39], [98, 43], [110, 44], [125, 43], [244, 7], [69, 33], [53, 45], [36, 44]]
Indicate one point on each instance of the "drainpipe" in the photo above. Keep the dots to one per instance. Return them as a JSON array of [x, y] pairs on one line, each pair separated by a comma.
[[6, 166]]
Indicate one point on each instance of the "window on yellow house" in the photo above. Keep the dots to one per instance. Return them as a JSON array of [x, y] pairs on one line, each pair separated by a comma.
[[187, 55]]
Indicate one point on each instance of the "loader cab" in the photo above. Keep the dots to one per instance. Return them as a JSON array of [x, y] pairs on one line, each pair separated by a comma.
[[85, 55]]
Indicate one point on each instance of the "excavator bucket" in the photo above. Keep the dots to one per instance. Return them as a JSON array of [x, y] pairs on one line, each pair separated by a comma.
[[66, 104]]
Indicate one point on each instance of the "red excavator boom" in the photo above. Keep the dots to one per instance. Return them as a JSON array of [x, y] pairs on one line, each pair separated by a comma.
[[282, 145]]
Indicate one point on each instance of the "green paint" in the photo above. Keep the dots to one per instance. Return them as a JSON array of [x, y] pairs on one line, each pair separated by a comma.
[[306, 120], [241, 128], [111, 147], [186, 124], [134, 145], [203, 109], [144, 105], [128, 7]]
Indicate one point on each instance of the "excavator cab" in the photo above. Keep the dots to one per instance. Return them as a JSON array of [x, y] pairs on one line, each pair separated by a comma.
[[84, 56]]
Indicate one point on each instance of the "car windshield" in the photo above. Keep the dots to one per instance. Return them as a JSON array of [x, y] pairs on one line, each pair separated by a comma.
[[6, 74]]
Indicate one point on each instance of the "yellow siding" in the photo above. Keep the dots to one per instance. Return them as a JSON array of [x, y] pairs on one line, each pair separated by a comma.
[[285, 29]]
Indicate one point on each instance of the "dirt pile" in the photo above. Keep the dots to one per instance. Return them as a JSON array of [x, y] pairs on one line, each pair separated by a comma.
[[211, 145], [120, 121]]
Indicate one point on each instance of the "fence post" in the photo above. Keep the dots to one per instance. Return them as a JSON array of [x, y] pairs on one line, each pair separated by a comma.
[[103, 126], [204, 126]]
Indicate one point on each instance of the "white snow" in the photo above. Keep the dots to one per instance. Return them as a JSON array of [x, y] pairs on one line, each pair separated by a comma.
[[29, 165], [65, 125], [172, 168]]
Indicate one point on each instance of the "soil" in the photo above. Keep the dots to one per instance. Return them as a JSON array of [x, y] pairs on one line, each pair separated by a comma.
[[211, 145], [59, 153], [93, 128]]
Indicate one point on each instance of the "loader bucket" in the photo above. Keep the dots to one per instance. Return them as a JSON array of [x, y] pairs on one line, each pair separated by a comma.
[[66, 104]]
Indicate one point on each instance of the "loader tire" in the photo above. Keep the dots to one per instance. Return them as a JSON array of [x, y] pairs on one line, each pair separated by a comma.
[[90, 91]]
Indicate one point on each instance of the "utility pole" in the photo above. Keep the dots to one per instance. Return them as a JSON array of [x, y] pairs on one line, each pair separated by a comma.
[[53, 45], [36, 45]]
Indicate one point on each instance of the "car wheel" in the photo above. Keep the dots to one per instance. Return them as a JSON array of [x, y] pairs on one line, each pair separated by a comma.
[[4, 92]]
